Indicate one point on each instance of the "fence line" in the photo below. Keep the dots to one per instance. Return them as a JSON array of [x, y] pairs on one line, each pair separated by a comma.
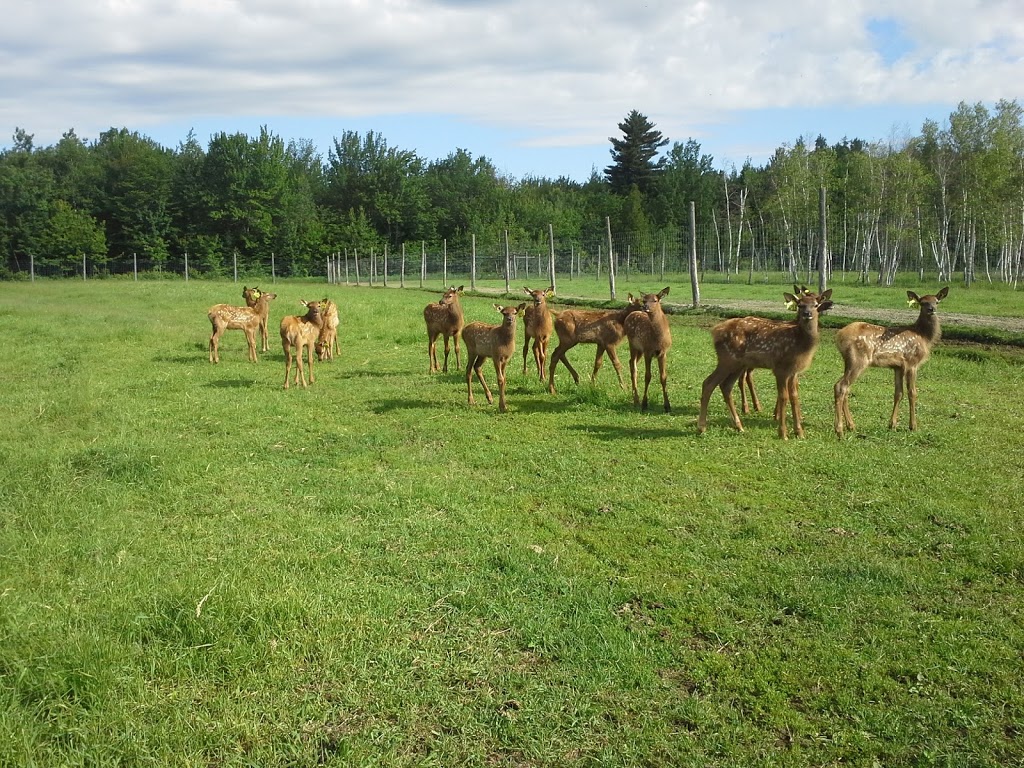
[[873, 251]]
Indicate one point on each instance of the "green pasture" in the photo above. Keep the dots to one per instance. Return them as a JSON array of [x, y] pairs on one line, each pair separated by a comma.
[[199, 568]]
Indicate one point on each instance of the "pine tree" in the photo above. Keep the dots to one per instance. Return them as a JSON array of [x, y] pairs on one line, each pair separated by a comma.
[[633, 155]]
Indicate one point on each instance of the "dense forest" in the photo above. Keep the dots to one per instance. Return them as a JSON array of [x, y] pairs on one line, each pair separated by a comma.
[[948, 200]]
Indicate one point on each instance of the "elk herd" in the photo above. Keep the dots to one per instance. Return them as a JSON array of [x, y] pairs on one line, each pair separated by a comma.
[[316, 330], [741, 345]]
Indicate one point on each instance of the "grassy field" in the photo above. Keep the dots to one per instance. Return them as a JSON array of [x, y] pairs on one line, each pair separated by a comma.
[[198, 568]]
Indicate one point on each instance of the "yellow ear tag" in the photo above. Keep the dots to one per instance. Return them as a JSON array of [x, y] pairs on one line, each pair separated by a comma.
[[791, 305], [912, 304]]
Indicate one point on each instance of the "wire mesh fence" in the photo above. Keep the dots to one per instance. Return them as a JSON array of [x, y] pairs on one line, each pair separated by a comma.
[[875, 253]]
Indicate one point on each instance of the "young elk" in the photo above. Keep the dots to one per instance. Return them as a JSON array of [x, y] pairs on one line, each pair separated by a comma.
[[495, 341], [786, 348], [252, 298], [444, 317], [903, 348], [327, 345], [298, 331], [224, 317], [590, 326], [537, 325], [649, 336], [747, 379]]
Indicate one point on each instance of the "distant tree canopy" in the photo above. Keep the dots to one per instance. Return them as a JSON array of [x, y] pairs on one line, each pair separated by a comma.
[[953, 196]]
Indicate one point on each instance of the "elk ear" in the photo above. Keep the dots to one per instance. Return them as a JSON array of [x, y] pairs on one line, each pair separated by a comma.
[[825, 306], [521, 308], [826, 295], [942, 294], [663, 292], [498, 307], [459, 289], [790, 301]]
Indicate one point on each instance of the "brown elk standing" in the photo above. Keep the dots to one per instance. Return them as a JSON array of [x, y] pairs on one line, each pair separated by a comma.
[[298, 331], [224, 317], [252, 299], [649, 336], [327, 345], [444, 317], [590, 326], [497, 342], [902, 348], [786, 348], [747, 379], [538, 326]]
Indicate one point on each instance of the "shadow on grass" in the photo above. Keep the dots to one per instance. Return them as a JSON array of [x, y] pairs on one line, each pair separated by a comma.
[[536, 404], [234, 384], [644, 432], [183, 359], [402, 404], [365, 373]]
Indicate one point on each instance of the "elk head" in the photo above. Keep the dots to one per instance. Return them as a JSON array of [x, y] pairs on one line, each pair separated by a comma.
[[927, 304], [809, 305]]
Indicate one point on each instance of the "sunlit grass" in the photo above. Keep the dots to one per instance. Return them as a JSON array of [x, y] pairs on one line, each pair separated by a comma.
[[201, 568]]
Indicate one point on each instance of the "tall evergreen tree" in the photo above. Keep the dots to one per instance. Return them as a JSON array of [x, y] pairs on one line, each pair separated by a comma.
[[633, 155]]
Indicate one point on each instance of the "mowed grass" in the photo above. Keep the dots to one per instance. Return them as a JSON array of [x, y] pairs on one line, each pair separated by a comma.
[[200, 568]]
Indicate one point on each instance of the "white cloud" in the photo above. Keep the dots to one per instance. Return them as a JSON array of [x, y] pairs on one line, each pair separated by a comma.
[[558, 73]]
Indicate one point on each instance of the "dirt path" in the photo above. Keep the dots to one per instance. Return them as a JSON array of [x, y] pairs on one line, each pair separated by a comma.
[[1013, 324], [884, 316]]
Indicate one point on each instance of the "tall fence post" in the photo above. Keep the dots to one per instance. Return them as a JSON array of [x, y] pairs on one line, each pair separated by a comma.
[[186, 266], [423, 262], [507, 270], [472, 265], [551, 240], [823, 261], [401, 280], [32, 268], [273, 268], [83, 267], [694, 280], [385, 265], [611, 257], [135, 265]]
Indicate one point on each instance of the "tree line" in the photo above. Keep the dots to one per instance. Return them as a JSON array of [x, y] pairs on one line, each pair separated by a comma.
[[949, 199]]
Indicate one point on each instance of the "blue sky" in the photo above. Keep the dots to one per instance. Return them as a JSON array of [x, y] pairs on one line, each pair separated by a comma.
[[536, 87]]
